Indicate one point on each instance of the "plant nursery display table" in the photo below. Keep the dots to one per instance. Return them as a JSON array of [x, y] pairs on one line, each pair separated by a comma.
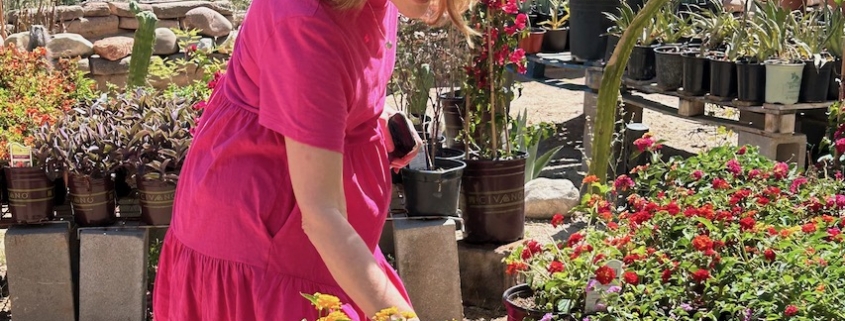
[[537, 63], [771, 127]]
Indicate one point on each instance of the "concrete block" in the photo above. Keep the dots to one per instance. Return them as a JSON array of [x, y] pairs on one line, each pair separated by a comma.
[[41, 272], [483, 273], [791, 148], [427, 262], [780, 123], [690, 108], [113, 274]]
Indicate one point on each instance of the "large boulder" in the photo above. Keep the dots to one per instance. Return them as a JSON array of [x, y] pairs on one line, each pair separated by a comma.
[[546, 197], [114, 48], [121, 9], [103, 67], [95, 9], [179, 9], [210, 23], [20, 40], [94, 27], [166, 42], [68, 45], [132, 23]]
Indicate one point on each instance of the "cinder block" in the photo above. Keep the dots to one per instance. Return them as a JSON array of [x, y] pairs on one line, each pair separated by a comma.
[[781, 147], [113, 274], [483, 273], [41, 272], [427, 262]]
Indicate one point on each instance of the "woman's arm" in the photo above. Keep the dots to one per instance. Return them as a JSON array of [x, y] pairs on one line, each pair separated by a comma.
[[317, 179]]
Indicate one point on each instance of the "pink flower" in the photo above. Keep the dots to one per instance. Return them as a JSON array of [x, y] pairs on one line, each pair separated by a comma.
[[840, 145], [644, 143], [781, 170], [623, 182], [511, 7], [754, 173], [697, 175], [521, 21], [734, 167], [200, 105], [797, 183], [517, 56]]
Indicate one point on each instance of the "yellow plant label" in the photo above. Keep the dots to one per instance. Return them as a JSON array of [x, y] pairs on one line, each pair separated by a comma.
[[20, 155]]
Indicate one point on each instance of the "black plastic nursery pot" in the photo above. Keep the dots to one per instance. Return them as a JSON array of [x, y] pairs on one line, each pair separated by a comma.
[[815, 82], [433, 192], [669, 67], [450, 154], [92, 200], [31, 194], [723, 78], [696, 80], [612, 41], [156, 200], [495, 200], [586, 24], [833, 87], [554, 40], [453, 110], [751, 81], [641, 65]]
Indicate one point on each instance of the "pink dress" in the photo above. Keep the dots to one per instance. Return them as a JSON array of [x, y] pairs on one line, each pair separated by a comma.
[[236, 250]]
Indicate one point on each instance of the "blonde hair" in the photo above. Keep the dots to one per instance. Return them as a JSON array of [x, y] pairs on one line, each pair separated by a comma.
[[440, 12]]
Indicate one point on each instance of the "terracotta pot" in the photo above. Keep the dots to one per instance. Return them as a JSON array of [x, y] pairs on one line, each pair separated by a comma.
[[533, 42], [156, 200], [93, 200], [792, 4]]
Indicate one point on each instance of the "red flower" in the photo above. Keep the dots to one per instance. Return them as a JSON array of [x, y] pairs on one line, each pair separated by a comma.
[[769, 254], [605, 275], [511, 7], [555, 266], [741, 150], [667, 274], [796, 184], [840, 145], [702, 243], [754, 173], [772, 231], [557, 220], [598, 258], [574, 239], [780, 170], [631, 278], [719, 183], [531, 247], [521, 21], [747, 224], [517, 56], [701, 275], [809, 228], [734, 167], [515, 267], [697, 175], [623, 183], [791, 310], [612, 226], [644, 143], [200, 105]]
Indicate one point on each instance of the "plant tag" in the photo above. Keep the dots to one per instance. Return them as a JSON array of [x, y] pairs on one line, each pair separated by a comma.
[[593, 297], [20, 155], [617, 267], [419, 162]]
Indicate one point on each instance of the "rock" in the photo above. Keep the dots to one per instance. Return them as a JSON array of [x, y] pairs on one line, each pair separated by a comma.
[[132, 23], [84, 65], [174, 10], [165, 42], [95, 9], [238, 19], [210, 23], [546, 197], [38, 37], [10, 29], [114, 48], [227, 45], [19, 40], [205, 45], [68, 45], [734, 5], [94, 27], [121, 9], [62, 13], [102, 67]]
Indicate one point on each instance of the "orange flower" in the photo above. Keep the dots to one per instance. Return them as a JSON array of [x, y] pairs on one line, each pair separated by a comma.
[[590, 179]]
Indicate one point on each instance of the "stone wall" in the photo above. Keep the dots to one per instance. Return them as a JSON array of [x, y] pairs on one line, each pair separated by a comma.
[[101, 33]]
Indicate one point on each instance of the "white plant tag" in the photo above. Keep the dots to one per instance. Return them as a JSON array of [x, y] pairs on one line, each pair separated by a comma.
[[20, 155]]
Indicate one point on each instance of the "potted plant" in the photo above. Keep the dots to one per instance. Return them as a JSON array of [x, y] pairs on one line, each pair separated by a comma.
[[90, 147], [493, 180], [451, 98], [620, 24], [818, 64], [668, 60], [835, 25], [716, 26], [31, 191], [746, 49], [556, 35], [784, 68], [641, 64]]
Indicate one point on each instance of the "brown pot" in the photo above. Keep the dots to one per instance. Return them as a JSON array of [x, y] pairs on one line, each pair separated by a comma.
[[31, 194], [495, 200], [92, 200], [156, 200], [792, 4], [533, 43]]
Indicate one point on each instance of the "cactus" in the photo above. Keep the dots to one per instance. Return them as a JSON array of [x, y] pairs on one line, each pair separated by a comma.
[[142, 49]]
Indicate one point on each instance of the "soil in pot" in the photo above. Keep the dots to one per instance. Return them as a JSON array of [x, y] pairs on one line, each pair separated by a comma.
[[156, 200], [495, 200], [696, 80], [519, 304], [92, 200], [783, 82], [815, 82], [31, 194], [641, 66], [433, 192], [453, 110], [450, 154], [723, 78], [751, 81], [669, 67], [833, 87], [555, 40], [533, 42]]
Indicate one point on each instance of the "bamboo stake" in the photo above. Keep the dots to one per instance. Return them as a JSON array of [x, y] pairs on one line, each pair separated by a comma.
[[492, 79], [3, 33]]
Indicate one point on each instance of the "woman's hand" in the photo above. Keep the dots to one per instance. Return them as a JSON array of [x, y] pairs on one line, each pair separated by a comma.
[[397, 164]]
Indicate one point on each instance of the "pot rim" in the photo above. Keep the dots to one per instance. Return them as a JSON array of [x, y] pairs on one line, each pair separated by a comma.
[[668, 49], [558, 29], [779, 62], [458, 166]]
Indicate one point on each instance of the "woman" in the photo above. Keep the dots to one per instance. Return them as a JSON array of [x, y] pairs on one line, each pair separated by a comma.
[[286, 186]]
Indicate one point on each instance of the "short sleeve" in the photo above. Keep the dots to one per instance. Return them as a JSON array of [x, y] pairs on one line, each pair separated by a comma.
[[304, 86]]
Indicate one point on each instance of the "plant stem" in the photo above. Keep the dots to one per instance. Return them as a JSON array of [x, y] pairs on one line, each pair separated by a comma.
[[492, 78], [609, 92]]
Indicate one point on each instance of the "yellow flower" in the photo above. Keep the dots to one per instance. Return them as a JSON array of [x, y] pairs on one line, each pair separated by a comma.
[[327, 302], [409, 315], [384, 315], [335, 316]]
